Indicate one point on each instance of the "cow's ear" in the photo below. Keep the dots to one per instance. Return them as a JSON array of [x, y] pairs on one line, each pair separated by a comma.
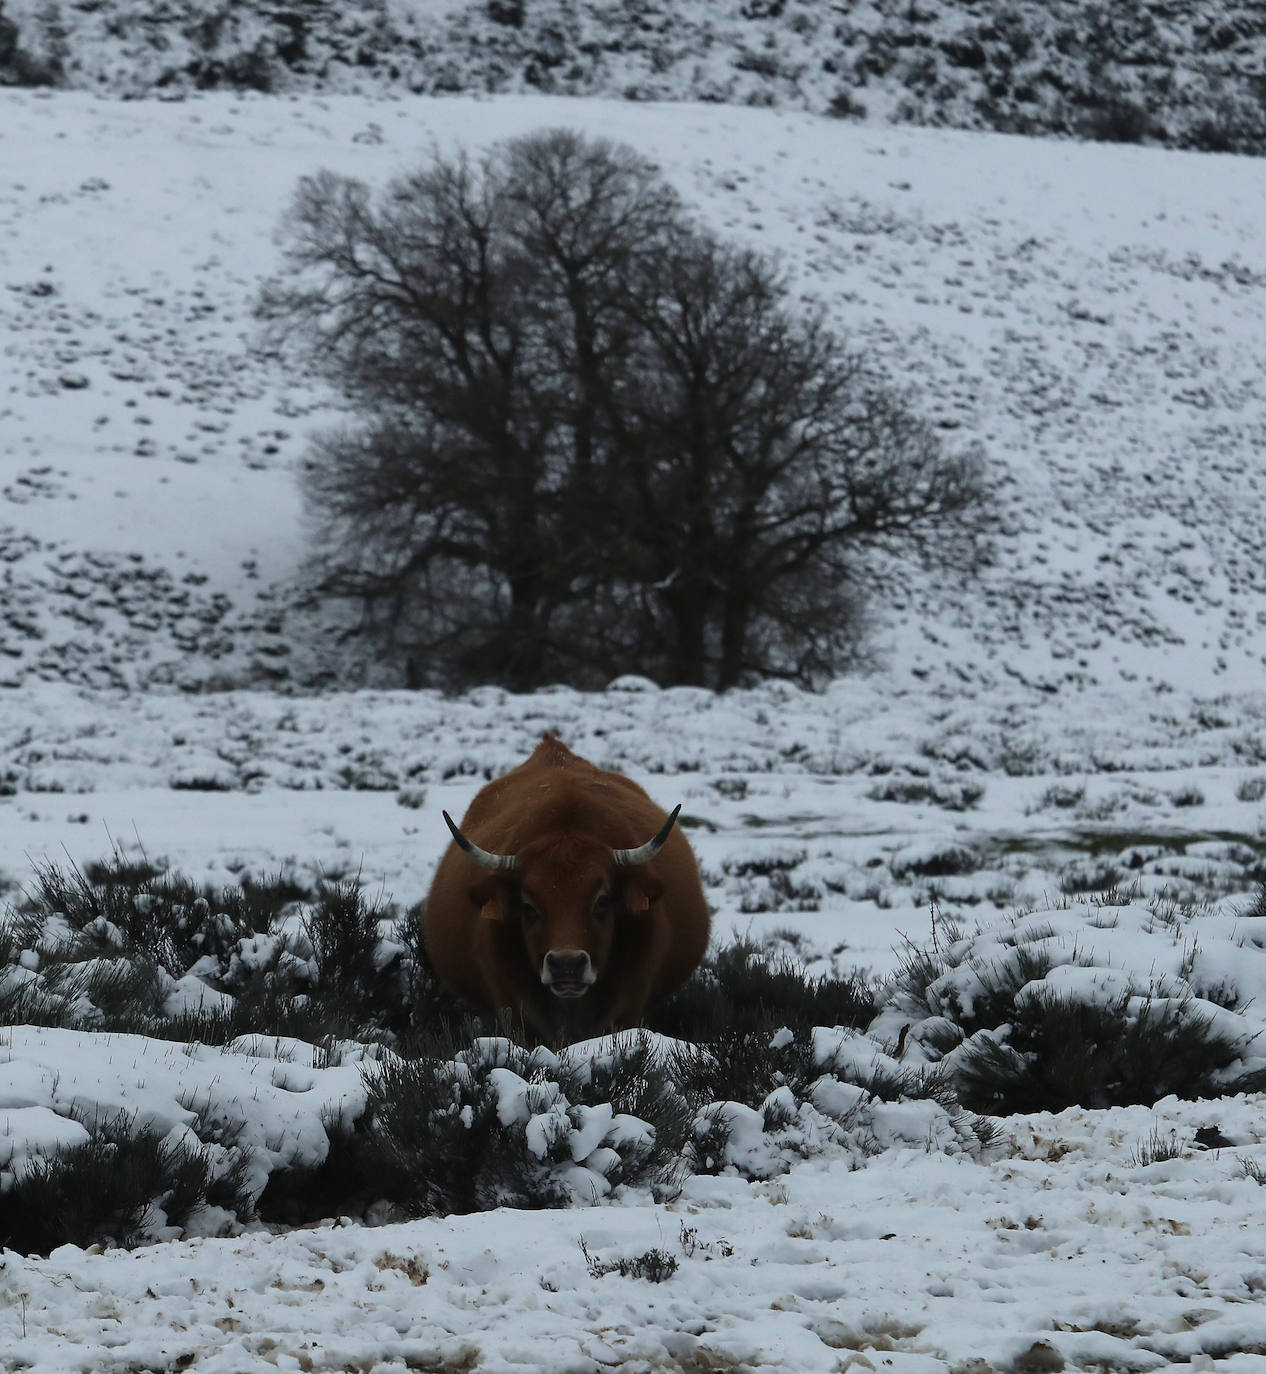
[[641, 893], [487, 897]]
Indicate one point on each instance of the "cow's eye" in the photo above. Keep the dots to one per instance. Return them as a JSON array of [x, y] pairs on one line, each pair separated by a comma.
[[603, 903], [531, 912]]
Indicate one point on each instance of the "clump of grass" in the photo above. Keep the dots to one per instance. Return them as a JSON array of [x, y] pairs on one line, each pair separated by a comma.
[[1156, 1147], [1250, 1168], [655, 1265], [1256, 908]]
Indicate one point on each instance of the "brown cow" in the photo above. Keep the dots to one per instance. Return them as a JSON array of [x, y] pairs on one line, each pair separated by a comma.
[[567, 899]]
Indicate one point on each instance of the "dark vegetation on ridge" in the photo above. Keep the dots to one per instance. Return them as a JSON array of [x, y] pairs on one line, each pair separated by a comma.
[[1173, 72]]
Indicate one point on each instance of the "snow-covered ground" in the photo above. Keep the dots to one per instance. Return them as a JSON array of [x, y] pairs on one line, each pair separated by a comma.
[[1074, 1241], [1088, 714], [1074, 1248]]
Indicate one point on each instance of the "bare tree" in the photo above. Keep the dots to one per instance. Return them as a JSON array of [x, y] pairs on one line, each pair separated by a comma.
[[763, 462], [594, 437], [464, 312]]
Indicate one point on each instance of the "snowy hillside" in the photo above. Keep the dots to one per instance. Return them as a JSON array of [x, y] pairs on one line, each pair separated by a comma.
[[1182, 74], [1045, 801], [1090, 313]]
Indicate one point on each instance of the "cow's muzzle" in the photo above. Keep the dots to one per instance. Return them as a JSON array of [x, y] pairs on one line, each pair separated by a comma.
[[567, 972]]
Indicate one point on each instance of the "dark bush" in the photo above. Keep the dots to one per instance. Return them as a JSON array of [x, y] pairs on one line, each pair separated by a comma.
[[119, 1187], [1113, 117], [742, 989], [1060, 1053]]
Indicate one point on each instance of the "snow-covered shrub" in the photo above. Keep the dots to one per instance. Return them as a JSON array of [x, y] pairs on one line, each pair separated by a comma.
[[130, 947], [32, 53], [766, 877], [347, 949], [1062, 796], [1089, 874], [121, 906], [497, 1125], [741, 988], [933, 859], [1232, 121], [1057, 1052], [834, 1089], [1093, 1004], [954, 794], [120, 1186], [1115, 115]]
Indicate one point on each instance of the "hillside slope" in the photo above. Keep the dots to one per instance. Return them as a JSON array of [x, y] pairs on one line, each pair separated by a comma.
[[1174, 72], [1092, 314]]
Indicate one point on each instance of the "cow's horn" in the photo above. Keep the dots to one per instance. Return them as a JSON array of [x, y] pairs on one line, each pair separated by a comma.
[[499, 863], [630, 858]]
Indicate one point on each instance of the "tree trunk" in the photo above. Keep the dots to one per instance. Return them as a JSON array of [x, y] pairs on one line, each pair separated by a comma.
[[738, 596], [689, 612], [523, 651], [735, 622]]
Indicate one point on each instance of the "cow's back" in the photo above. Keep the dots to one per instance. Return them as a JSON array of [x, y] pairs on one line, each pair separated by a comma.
[[556, 789]]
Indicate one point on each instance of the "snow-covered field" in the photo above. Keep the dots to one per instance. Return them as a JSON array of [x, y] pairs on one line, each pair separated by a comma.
[[1070, 1251], [1090, 714]]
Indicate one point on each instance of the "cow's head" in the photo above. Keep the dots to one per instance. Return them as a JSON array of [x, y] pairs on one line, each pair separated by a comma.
[[566, 891]]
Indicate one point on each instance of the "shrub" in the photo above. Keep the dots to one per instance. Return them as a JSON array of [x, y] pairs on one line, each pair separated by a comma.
[[489, 1128], [1016, 1025], [1113, 117], [1061, 1053], [743, 990], [114, 936], [120, 1187], [951, 793]]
